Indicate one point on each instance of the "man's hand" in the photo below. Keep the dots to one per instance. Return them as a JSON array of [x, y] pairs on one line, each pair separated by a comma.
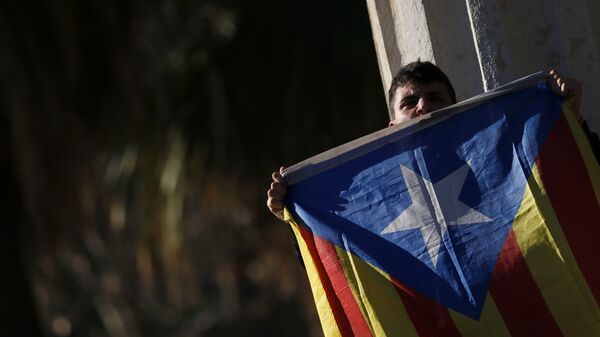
[[276, 194], [567, 87]]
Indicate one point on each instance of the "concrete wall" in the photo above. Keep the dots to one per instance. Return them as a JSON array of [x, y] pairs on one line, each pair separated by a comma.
[[483, 44]]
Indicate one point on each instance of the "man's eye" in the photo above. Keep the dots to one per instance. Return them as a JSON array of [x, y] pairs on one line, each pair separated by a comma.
[[407, 104]]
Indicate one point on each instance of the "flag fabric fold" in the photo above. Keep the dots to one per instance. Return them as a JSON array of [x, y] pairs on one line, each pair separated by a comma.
[[479, 220]]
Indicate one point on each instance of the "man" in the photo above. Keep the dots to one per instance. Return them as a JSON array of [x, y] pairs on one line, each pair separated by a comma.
[[420, 88]]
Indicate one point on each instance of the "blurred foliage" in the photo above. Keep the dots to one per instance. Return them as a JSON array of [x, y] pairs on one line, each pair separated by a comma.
[[138, 140]]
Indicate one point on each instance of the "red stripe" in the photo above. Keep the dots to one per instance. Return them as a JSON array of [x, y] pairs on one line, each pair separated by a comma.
[[429, 318], [335, 271], [517, 296], [334, 302], [568, 185]]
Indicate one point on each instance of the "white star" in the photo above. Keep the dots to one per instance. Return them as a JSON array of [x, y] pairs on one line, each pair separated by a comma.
[[434, 208]]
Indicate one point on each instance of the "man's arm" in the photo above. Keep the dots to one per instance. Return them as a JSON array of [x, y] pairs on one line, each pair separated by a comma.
[[571, 89], [275, 196]]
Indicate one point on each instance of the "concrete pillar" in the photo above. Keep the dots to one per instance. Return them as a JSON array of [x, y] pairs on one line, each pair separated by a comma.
[[484, 44]]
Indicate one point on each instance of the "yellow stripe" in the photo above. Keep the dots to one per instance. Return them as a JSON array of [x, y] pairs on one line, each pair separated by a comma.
[[584, 147], [328, 323], [552, 264], [378, 300], [491, 322], [353, 279]]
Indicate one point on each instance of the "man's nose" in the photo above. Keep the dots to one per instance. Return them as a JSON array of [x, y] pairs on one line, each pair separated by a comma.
[[423, 106]]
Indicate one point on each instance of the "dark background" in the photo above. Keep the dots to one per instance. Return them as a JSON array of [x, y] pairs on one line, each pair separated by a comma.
[[137, 143]]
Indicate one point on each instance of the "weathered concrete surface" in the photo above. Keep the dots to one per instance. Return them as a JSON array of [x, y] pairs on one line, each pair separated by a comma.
[[483, 44]]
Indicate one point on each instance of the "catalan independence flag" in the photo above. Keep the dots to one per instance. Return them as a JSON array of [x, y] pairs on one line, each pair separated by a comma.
[[481, 219]]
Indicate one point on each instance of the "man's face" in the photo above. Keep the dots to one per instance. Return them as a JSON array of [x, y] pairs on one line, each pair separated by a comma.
[[416, 99]]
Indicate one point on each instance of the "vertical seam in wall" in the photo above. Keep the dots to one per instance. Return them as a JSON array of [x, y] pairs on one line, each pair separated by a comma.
[[476, 43], [383, 59]]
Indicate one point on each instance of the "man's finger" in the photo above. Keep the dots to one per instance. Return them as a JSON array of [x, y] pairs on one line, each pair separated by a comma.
[[274, 205], [276, 208], [278, 178], [272, 193], [279, 188]]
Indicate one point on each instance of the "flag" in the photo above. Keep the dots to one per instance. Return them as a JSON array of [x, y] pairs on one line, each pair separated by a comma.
[[481, 219]]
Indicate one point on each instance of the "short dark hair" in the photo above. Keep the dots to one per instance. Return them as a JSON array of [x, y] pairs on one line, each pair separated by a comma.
[[418, 72]]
